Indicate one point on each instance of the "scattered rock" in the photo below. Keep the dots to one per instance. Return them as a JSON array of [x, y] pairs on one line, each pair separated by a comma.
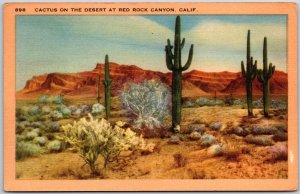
[[195, 135], [279, 151], [264, 130], [280, 137], [174, 139], [216, 125], [200, 128], [215, 150], [262, 140], [207, 140], [240, 131]]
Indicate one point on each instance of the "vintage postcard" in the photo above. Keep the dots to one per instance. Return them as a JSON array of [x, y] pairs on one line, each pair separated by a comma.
[[150, 96]]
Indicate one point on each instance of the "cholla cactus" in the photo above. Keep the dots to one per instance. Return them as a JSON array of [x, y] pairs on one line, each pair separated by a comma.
[[92, 138], [148, 101]]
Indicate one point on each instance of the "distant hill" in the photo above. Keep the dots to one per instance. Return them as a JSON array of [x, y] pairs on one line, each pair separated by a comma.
[[195, 83]]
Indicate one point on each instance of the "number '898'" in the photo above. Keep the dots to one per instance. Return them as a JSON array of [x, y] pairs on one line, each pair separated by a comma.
[[20, 10]]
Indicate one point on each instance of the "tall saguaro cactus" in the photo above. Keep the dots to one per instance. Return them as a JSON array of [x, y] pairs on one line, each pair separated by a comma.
[[173, 62], [98, 93], [107, 83], [249, 73], [264, 75]]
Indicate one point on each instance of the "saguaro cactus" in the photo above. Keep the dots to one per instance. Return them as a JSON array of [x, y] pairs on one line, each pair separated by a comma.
[[107, 83], [264, 75], [249, 74], [173, 62], [98, 93]]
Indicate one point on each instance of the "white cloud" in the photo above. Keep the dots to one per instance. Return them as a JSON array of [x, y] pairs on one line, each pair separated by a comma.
[[128, 29], [221, 45], [232, 36]]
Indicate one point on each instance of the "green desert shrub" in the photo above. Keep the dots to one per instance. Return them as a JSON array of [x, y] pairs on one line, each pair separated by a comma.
[[53, 127], [92, 138], [208, 102], [43, 99], [148, 102], [31, 135], [66, 112], [20, 138], [262, 140], [56, 115], [26, 149], [40, 140], [34, 110], [58, 99], [46, 110], [97, 109], [55, 146]]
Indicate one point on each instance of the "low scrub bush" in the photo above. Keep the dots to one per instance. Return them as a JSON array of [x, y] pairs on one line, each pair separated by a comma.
[[262, 140], [280, 137], [232, 152], [40, 140], [34, 110], [43, 99], [56, 115], [66, 112], [92, 138], [148, 102], [208, 102], [31, 135], [54, 146], [179, 160], [97, 109], [26, 149], [59, 99], [53, 127]]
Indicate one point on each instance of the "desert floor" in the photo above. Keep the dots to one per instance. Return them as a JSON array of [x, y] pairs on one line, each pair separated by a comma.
[[254, 162]]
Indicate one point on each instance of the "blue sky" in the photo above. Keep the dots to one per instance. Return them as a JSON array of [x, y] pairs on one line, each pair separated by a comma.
[[77, 43]]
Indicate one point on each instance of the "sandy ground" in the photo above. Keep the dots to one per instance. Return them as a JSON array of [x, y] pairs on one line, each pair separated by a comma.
[[161, 164]]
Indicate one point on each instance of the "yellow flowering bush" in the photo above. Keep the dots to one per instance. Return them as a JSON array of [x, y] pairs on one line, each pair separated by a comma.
[[93, 138]]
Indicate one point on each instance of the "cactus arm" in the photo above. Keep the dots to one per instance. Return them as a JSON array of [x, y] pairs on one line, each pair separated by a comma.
[[107, 82], [260, 76], [243, 69], [254, 70], [182, 43], [190, 58], [271, 70], [169, 62], [170, 46]]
